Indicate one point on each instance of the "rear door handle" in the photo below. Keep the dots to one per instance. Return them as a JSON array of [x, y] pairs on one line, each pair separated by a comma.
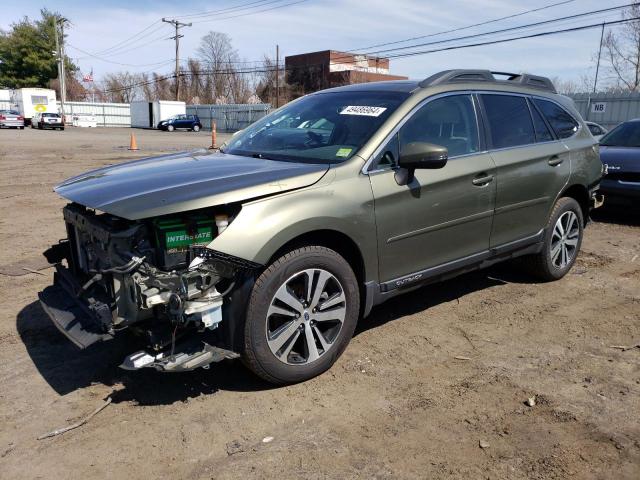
[[482, 180], [555, 161]]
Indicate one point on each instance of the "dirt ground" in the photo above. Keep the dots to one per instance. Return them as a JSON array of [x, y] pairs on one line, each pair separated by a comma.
[[428, 381]]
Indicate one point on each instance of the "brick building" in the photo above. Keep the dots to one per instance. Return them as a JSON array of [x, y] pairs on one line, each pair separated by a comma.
[[314, 71]]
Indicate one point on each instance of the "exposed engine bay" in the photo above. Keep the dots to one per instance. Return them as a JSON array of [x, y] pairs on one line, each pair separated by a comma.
[[154, 277]]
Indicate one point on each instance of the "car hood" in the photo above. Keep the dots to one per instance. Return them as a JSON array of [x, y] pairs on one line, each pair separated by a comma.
[[621, 159], [175, 183]]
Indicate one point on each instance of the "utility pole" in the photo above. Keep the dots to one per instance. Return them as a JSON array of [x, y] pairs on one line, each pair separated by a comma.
[[277, 76], [178, 25], [595, 82], [61, 70]]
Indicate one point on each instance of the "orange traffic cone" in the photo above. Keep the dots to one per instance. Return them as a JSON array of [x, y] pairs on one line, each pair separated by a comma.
[[213, 137], [133, 145]]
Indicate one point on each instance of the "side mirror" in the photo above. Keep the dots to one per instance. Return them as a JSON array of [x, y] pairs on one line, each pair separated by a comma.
[[419, 155], [423, 155]]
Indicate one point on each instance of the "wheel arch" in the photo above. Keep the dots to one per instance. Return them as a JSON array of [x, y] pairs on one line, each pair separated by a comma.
[[335, 240], [580, 194]]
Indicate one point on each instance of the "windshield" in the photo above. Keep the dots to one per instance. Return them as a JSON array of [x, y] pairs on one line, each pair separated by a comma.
[[320, 128], [624, 135]]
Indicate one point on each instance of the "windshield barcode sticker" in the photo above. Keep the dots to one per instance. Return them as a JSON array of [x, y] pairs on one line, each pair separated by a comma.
[[363, 110]]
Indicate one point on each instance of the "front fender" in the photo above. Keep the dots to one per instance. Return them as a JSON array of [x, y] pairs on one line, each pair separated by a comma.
[[341, 201]]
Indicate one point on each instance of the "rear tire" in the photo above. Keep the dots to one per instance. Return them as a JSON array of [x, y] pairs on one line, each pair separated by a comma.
[[301, 315], [196, 128], [562, 241]]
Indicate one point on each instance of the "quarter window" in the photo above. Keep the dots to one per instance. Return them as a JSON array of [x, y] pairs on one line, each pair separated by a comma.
[[559, 119], [448, 121], [509, 120]]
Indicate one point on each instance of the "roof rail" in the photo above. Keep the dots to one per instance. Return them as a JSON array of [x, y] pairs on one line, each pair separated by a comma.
[[460, 76]]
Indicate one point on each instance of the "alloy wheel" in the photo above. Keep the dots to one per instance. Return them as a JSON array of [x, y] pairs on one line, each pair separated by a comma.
[[564, 239], [305, 316]]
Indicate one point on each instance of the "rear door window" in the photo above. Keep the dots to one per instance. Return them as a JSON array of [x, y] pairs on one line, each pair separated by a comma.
[[543, 134], [559, 119], [509, 120]]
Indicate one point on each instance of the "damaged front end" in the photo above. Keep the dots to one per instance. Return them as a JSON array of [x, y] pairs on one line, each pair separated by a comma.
[[155, 278]]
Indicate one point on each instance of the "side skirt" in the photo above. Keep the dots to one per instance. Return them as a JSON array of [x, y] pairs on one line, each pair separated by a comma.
[[377, 293]]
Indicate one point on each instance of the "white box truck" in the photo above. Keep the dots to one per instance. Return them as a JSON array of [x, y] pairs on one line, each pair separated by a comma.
[[146, 114], [32, 101]]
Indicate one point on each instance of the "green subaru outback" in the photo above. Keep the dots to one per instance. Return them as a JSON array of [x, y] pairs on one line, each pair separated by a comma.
[[272, 249]]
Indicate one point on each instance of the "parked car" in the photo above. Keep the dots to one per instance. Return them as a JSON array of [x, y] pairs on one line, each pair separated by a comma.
[[189, 122], [620, 153], [11, 119], [598, 131], [47, 120], [275, 247]]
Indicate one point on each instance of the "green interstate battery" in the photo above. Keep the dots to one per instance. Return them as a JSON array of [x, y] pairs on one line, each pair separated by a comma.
[[175, 235]]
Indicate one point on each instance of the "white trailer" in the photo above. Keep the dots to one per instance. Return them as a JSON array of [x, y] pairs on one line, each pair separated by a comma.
[[32, 101], [146, 114]]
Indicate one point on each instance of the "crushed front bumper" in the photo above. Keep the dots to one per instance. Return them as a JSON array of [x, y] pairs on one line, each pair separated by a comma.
[[72, 316]]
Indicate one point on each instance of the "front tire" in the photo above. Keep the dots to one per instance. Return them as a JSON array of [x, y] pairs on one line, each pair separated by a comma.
[[170, 128], [562, 241], [301, 315]]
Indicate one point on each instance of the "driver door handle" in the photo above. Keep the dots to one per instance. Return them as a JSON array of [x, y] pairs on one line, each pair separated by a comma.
[[555, 161], [482, 180]]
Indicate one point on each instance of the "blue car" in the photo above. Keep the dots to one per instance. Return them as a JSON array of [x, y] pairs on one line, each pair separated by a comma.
[[620, 152], [187, 122]]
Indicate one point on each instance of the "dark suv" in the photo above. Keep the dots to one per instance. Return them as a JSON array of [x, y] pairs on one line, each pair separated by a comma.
[[188, 122], [275, 247]]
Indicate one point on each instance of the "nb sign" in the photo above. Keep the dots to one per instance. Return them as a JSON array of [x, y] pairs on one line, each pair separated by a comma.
[[598, 107]]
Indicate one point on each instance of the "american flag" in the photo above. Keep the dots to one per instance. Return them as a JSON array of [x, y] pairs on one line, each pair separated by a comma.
[[88, 77]]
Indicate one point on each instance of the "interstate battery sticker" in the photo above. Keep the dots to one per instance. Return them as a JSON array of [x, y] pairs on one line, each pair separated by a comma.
[[363, 110], [180, 239]]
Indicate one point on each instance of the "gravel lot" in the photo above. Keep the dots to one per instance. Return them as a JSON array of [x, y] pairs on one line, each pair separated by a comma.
[[398, 404]]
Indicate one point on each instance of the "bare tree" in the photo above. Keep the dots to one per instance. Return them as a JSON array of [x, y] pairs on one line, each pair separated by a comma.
[[621, 51], [122, 87], [218, 56], [565, 86]]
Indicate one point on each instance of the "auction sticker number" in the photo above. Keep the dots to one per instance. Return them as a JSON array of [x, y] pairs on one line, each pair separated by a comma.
[[363, 110]]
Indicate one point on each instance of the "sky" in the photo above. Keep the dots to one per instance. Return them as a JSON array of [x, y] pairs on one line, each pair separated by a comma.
[[312, 25]]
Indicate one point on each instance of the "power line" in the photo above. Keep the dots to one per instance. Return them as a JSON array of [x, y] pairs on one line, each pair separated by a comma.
[[400, 55], [118, 63], [533, 35], [487, 22], [520, 27], [127, 40], [123, 47], [244, 6], [253, 12]]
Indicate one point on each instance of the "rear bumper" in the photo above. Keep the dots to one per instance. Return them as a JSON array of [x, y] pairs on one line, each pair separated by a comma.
[[72, 316], [52, 125], [12, 123]]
